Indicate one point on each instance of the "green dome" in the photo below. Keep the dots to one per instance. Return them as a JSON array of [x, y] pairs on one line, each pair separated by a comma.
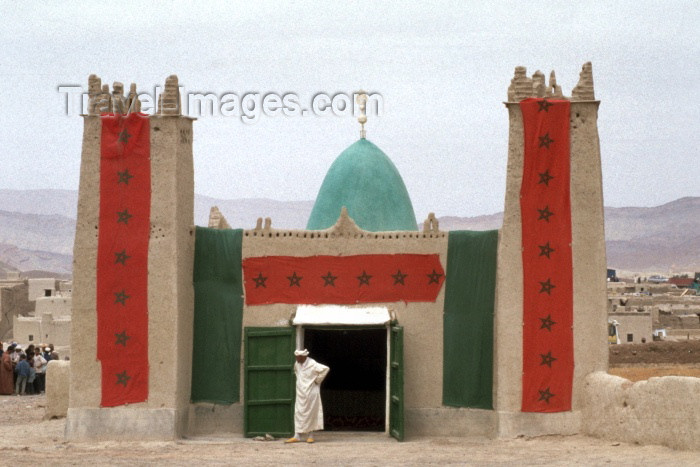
[[366, 182]]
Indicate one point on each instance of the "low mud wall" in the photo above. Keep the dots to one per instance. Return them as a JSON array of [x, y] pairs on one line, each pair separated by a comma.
[[663, 410]]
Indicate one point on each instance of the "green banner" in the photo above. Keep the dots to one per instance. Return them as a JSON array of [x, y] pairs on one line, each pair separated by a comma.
[[470, 288], [218, 316]]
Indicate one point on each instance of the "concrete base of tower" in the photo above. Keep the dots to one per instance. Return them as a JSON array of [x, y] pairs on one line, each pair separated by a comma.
[[450, 421], [208, 419], [513, 424], [125, 423]]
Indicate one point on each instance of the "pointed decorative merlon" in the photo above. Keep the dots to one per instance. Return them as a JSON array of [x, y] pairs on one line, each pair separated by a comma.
[[554, 90], [94, 90], [345, 226], [133, 104], [431, 224], [103, 101], [118, 102], [169, 101], [259, 227], [584, 89], [217, 219], [538, 84], [521, 84]]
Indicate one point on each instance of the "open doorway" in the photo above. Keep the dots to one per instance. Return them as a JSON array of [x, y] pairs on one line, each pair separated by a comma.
[[354, 393]]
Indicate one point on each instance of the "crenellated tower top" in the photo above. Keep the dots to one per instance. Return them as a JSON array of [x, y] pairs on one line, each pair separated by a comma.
[[101, 101], [521, 87]]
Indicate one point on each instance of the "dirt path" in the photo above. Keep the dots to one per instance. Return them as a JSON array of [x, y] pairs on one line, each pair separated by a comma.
[[25, 438]]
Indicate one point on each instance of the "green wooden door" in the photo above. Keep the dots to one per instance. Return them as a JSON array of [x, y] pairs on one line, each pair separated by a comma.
[[396, 428], [269, 388]]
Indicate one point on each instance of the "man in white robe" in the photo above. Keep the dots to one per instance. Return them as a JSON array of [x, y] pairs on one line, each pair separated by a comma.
[[308, 411]]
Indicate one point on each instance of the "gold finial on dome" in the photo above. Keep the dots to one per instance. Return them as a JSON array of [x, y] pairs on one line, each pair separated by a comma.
[[361, 100]]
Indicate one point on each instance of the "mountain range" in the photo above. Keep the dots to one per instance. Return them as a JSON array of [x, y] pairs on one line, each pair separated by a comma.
[[37, 229]]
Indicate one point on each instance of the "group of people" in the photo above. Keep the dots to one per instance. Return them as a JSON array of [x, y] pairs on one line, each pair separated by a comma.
[[23, 371]]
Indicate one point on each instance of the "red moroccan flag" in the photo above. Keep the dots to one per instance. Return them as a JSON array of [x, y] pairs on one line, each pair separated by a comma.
[[342, 279], [548, 350], [122, 258]]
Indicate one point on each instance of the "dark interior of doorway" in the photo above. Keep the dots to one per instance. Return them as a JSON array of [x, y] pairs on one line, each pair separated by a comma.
[[354, 392]]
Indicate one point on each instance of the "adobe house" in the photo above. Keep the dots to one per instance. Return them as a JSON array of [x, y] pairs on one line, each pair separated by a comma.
[[180, 330]]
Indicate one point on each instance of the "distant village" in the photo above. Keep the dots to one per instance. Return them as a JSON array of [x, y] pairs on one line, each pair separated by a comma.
[[647, 308], [36, 311]]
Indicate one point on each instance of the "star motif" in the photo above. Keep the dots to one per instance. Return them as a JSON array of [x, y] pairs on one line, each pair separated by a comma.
[[329, 279], [124, 136], [434, 277], [123, 378], [547, 323], [364, 278], [544, 105], [121, 338], [121, 257], [547, 359], [124, 177], [545, 141], [260, 281], [545, 177], [545, 395], [547, 287], [294, 279], [545, 250], [399, 277], [121, 297], [545, 214], [124, 216]]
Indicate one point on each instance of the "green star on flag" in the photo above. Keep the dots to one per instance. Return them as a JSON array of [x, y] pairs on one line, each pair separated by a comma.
[[124, 216], [121, 338], [123, 378], [124, 177], [121, 257], [121, 297]]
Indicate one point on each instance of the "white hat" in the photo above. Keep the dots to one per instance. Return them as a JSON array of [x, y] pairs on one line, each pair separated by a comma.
[[301, 353], [47, 349]]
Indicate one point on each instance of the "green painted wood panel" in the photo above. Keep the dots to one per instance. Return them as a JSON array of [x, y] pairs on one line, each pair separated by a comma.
[[396, 425], [269, 387]]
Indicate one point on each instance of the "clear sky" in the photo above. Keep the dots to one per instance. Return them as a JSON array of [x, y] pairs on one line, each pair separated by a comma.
[[442, 68]]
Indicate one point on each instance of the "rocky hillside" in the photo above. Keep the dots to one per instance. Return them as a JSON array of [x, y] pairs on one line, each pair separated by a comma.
[[37, 229], [661, 238]]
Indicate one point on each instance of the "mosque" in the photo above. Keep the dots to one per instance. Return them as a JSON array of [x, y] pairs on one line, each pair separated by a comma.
[[181, 330]]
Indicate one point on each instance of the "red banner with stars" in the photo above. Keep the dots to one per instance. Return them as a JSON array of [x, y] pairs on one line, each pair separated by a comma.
[[548, 350], [122, 258], [342, 279]]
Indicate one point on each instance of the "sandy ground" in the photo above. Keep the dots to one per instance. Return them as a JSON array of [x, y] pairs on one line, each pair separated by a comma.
[[25, 438], [643, 372]]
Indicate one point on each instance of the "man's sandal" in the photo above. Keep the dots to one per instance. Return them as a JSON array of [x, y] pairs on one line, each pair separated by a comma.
[[309, 440], [292, 440]]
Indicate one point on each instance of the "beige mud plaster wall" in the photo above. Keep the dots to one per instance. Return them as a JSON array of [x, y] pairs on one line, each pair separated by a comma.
[[86, 375], [588, 247], [170, 289], [508, 339], [422, 321], [658, 411]]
